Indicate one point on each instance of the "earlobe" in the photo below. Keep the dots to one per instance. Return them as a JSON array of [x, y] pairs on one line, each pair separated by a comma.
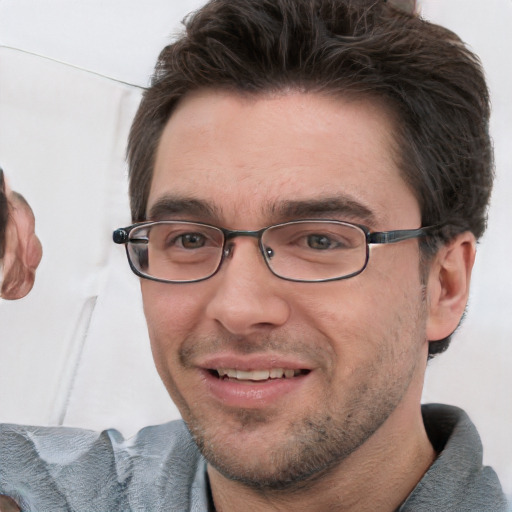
[[448, 285]]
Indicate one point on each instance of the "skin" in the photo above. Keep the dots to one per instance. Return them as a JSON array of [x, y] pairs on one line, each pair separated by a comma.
[[23, 250], [8, 504], [347, 435]]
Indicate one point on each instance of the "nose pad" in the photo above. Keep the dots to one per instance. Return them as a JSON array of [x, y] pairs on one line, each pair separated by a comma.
[[230, 247], [228, 250]]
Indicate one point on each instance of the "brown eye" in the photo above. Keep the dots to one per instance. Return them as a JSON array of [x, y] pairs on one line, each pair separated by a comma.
[[191, 241], [319, 242]]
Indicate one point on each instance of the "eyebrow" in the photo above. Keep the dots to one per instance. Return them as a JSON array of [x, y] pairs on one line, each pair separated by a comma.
[[172, 205], [340, 206]]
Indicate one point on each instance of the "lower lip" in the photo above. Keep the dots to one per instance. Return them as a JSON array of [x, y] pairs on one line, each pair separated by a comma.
[[252, 394]]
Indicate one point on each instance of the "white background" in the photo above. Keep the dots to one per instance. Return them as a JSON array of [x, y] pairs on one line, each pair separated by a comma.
[[75, 351]]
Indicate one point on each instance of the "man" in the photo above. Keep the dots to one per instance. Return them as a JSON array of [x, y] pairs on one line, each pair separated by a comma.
[[308, 181], [20, 249]]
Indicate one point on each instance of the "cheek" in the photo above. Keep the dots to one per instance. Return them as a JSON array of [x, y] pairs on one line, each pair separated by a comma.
[[169, 309], [363, 314], [172, 312]]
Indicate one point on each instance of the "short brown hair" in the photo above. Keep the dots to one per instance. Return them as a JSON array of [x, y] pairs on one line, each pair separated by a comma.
[[429, 79]]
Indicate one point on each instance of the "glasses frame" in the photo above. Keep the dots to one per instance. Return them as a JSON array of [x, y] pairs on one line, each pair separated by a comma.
[[121, 236]]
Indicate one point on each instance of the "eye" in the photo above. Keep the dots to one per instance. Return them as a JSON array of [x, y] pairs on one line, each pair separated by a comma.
[[190, 240], [320, 242]]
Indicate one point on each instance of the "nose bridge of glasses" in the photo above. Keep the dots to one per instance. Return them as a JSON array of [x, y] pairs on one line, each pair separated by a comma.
[[229, 235]]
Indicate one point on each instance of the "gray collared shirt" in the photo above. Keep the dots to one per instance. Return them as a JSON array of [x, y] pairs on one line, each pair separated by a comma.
[[64, 469]]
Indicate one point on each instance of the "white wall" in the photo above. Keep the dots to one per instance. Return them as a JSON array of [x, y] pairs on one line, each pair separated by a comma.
[[75, 351]]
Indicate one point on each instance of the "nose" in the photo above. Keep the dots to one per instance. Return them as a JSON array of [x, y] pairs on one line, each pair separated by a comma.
[[248, 297]]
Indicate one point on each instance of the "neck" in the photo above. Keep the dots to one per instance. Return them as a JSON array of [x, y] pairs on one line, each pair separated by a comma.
[[379, 475]]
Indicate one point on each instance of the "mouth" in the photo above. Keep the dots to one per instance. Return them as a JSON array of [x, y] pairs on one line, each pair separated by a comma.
[[237, 383], [271, 374]]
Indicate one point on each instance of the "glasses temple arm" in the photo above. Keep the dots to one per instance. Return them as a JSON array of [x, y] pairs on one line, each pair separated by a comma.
[[389, 237]]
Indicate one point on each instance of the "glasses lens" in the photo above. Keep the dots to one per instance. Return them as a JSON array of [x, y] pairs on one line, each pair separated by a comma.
[[176, 251], [315, 251]]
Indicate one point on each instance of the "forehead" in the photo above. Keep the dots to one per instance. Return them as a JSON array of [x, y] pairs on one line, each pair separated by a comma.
[[244, 156]]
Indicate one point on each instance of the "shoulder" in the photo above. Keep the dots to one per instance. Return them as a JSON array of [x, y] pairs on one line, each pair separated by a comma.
[[52, 467], [66, 443], [457, 480]]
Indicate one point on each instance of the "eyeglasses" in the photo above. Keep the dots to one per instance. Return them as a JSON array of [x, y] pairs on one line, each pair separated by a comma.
[[301, 250]]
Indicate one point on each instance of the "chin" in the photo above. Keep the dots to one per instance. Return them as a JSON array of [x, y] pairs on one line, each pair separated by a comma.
[[260, 455]]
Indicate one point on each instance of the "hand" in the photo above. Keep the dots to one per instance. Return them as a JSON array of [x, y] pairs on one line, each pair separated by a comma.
[[8, 504], [20, 249]]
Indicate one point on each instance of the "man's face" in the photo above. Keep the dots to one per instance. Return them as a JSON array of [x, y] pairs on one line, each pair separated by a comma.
[[356, 348]]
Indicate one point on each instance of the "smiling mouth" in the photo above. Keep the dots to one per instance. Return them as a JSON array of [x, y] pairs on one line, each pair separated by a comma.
[[257, 375]]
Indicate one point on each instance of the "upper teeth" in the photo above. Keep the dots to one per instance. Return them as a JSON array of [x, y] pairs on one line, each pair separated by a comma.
[[274, 373]]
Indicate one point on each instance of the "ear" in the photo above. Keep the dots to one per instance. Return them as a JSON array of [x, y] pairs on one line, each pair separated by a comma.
[[448, 285], [23, 251]]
